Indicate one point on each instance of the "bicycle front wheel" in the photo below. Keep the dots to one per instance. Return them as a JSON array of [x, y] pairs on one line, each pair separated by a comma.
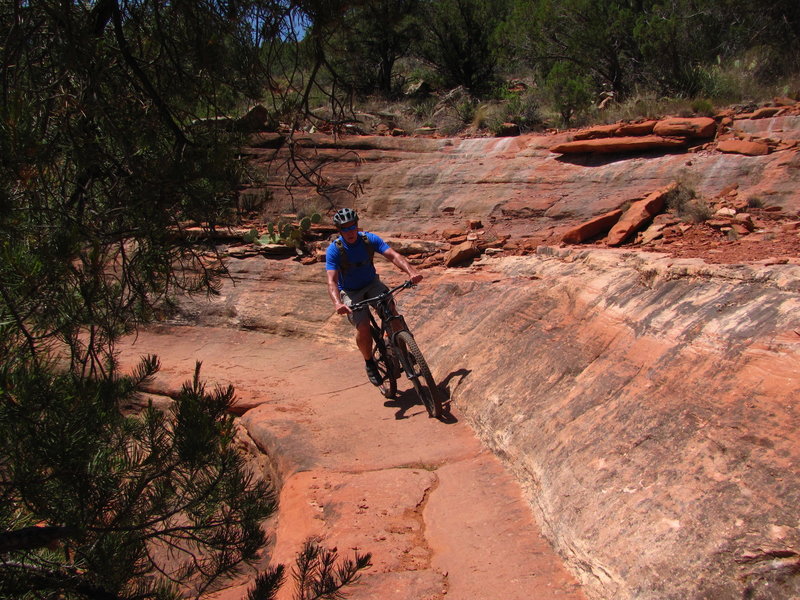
[[422, 379]]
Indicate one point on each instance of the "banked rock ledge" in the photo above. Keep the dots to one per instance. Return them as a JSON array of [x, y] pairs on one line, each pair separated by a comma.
[[648, 405]]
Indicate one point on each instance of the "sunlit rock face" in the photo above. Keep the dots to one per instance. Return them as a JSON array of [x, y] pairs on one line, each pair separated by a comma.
[[423, 185], [647, 405]]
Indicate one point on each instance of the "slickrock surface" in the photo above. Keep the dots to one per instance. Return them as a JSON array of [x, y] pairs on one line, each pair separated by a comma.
[[645, 402], [647, 405], [439, 513]]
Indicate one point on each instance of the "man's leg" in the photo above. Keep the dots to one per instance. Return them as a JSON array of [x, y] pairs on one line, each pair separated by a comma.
[[364, 339], [360, 319]]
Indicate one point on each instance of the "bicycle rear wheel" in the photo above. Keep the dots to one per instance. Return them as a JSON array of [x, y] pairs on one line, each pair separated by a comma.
[[423, 381], [385, 362]]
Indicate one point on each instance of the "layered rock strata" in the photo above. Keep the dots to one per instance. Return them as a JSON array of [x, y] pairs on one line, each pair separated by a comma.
[[422, 185], [649, 406], [646, 404]]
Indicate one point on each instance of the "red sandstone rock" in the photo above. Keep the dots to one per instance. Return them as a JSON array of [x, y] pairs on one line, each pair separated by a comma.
[[452, 233], [643, 128], [461, 254], [637, 215], [745, 220], [508, 130], [701, 127], [589, 229], [743, 147], [601, 131], [740, 228], [765, 112], [618, 144]]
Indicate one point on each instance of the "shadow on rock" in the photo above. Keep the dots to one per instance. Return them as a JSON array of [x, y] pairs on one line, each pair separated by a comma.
[[603, 159], [408, 399]]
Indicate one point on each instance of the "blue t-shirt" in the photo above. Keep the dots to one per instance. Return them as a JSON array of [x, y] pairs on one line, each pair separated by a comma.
[[361, 271]]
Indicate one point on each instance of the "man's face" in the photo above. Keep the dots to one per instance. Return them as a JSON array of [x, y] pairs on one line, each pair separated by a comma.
[[349, 231]]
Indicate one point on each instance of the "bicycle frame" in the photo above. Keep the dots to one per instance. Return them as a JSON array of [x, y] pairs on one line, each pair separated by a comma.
[[395, 349], [391, 324]]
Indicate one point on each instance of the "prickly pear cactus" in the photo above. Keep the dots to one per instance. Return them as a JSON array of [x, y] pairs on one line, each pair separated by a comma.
[[250, 237], [305, 224], [316, 218], [294, 239]]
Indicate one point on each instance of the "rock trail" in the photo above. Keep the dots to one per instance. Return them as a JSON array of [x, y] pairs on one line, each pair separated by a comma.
[[438, 512]]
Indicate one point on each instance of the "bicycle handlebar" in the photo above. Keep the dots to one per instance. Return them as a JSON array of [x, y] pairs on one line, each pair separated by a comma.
[[367, 301]]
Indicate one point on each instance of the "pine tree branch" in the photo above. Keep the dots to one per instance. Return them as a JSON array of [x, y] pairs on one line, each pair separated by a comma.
[[57, 579], [180, 138], [30, 538]]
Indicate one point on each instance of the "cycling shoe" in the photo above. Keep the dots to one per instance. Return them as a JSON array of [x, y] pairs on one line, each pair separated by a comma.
[[373, 374]]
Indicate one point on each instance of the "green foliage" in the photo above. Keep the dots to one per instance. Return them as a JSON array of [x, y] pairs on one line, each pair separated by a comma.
[[571, 91], [250, 237], [287, 233], [681, 48], [316, 218], [114, 134], [460, 41], [523, 109], [703, 107], [683, 201], [317, 574], [124, 488], [372, 38]]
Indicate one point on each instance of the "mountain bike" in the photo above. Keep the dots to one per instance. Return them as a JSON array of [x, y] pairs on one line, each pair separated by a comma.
[[395, 350]]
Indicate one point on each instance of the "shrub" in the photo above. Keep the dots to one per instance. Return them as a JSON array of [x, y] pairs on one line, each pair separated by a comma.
[[697, 210], [523, 109], [703, 107], [683, 200], [570, 90]]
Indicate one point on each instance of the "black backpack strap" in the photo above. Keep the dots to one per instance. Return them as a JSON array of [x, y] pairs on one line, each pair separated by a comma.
[[344, 260], [368, 244]]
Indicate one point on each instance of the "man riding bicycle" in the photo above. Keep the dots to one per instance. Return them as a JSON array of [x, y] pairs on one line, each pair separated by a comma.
[[352, 277]]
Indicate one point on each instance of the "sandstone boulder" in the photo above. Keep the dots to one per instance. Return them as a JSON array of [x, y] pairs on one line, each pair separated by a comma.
[[743, 147], [765, 112], [407, 247], [460, 254], [619, 145], [702, 127], [643, 128], [601, 131], [592, 228], [256, 119], [639, 214]]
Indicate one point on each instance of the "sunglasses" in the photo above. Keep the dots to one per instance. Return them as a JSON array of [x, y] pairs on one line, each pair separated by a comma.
[[352, 227]]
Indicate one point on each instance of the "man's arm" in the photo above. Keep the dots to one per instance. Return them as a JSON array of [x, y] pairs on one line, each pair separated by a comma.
[[401, 263], [333, 292]]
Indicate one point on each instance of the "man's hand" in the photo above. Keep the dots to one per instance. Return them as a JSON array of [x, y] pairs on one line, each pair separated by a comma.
[[343, 309]]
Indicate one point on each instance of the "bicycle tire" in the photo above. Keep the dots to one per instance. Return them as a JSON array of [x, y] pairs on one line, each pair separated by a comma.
[[424, 383], [385, 362]]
